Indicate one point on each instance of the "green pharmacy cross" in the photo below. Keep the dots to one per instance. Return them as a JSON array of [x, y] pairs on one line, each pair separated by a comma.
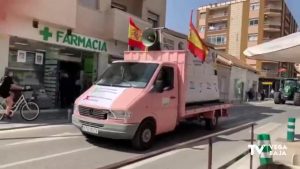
[[46, 33]]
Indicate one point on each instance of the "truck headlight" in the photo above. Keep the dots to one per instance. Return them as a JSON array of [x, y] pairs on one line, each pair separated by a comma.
[[119, 115]]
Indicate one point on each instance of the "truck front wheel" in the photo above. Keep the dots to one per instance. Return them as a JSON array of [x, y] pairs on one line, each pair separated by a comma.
[[297, 99], [277, 98], [144, 136], [211, 124]]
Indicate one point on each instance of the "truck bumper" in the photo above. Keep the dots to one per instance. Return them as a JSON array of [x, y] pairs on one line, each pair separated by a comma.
[[112, 131], [286, 98]]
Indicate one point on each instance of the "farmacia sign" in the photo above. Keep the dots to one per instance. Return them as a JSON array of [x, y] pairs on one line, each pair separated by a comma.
[[73, 40]]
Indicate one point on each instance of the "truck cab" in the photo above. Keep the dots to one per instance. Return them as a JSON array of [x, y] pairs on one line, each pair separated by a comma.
[[129, 97], [147, 94], [289, 91]]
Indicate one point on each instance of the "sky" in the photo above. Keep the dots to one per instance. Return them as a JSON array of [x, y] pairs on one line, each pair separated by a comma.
[[178, 12]]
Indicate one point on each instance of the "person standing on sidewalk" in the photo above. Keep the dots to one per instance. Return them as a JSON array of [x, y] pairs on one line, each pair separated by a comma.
[[272, 93]]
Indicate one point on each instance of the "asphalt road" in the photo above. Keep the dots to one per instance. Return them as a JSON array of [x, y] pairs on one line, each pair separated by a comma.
[[63, 146]]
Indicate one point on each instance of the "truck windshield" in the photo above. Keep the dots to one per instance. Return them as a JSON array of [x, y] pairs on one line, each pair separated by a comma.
[[291, 83], [128, 74]]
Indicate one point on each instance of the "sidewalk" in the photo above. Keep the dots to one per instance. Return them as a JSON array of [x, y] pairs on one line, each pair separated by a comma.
[[255, 102], [46, 117], [278, 137]]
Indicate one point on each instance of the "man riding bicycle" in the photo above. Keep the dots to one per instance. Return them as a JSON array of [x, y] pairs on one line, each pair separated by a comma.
[[6, 91]]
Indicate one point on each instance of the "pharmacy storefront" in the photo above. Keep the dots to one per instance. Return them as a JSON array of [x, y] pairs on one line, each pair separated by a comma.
[[58, 63]]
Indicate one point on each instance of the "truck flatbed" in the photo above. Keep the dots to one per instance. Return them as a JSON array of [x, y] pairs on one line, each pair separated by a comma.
[[208, 108]]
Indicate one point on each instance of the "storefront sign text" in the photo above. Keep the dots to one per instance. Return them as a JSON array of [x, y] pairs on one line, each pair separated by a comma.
[[74, 40]]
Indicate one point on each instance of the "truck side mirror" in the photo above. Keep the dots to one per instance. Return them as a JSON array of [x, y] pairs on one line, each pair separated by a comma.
[[158, 86]]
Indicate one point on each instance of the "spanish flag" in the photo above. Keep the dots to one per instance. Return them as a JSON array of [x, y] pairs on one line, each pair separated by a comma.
[[195, 44], [135, 35]]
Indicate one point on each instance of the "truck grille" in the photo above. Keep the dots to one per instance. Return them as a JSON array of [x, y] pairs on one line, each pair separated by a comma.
[[94, 113], [91, 124]]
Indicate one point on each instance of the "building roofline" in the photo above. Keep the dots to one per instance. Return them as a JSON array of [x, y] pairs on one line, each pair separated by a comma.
[[181, 35], [235, 61], [221, 4], [172, 32]]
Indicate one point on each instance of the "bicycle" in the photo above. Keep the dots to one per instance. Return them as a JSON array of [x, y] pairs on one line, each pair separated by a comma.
[[29, 110]]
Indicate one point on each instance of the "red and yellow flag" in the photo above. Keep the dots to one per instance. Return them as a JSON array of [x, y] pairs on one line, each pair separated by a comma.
[[195, 44], [135, 35]]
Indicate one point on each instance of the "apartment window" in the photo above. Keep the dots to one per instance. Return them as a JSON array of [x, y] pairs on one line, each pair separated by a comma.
[[118, 6], [254, 6], [181, 46], [93, 4], [253, 37], [202, 29], [153, 18], [253, 22], [217, 40]]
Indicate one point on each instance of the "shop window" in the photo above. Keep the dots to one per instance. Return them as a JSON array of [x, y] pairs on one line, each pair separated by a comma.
[[92, 4], [153, 19], [26, 72]]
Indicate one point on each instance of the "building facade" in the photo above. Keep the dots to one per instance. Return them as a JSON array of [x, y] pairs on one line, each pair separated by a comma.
[[236, 79], [232, 26], [54, 44]]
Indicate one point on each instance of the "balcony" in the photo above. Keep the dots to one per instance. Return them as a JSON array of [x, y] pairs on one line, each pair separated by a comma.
[[214, 18], [44, 11], [286, 32], [269, 74], [267, 39], [118, 24], [272, 26], [288, 28], [217, 29], [273, 10], [273, 23], [287, 17], [277, 7], [109, 25], [286, 24], [220, 47]]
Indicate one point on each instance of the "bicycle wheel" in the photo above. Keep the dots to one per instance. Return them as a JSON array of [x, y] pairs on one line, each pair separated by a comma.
[[30, 111], [2, 112]]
